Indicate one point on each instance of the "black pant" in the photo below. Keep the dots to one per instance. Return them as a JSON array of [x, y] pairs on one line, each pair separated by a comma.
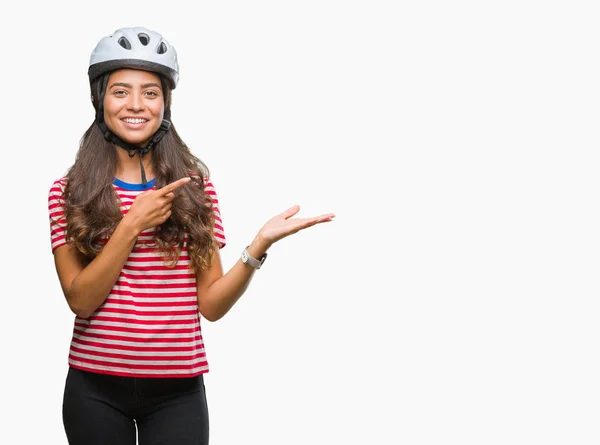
[[101, 409]]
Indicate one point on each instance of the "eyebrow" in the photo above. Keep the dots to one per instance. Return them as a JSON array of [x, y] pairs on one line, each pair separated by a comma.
[[128, 85]]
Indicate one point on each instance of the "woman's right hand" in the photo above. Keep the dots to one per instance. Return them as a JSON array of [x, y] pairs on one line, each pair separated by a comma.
[[153, 207]]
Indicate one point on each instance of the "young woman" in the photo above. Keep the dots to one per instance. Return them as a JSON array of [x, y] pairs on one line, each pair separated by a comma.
[[136, 232]]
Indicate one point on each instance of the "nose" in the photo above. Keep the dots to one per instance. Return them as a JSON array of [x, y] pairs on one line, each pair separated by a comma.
[[136, 103]]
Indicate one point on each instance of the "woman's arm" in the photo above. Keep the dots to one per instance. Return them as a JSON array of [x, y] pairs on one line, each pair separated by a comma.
[[217, 293], [86, 288]]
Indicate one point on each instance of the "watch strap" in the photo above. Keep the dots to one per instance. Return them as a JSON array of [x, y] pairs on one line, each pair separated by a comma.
[[249, 259]]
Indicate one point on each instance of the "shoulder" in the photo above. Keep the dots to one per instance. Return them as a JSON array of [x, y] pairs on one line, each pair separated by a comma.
[[57, 188], [207, 183], [210, 190]]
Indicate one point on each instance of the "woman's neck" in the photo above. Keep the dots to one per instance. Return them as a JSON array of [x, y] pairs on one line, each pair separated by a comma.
[[128, 169]]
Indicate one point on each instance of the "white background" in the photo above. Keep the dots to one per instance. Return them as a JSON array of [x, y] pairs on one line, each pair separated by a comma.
[[454, 299]]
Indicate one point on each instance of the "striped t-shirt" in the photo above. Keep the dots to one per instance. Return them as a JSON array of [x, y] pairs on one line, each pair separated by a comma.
[[149, 325]]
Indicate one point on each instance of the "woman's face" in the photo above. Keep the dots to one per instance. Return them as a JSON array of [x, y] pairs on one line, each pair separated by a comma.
[[134, 105]]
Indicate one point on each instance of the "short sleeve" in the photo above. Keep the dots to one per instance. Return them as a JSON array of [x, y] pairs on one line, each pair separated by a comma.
[[56, 212], [218, 230]]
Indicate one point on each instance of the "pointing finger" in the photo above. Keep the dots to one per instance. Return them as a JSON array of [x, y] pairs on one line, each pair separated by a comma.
[[173, 186]]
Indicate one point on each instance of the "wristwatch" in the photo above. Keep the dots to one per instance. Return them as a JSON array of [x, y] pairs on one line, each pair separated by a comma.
[[248, 259]]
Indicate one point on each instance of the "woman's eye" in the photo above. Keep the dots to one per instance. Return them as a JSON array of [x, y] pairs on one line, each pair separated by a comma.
[[152, 93], [119, 92]]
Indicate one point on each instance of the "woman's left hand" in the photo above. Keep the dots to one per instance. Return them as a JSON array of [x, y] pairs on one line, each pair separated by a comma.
[[284, 225]]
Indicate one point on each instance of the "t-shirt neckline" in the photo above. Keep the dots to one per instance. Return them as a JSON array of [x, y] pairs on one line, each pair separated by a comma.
[[133, 187]]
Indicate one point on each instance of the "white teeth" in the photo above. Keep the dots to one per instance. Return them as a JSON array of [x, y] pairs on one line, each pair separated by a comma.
[[134, 121]]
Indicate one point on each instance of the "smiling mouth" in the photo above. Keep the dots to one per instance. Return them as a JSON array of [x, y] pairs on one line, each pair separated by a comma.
[[137, 120]]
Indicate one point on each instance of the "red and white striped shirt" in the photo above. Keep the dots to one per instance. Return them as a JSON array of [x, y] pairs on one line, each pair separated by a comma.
[[149, 325]]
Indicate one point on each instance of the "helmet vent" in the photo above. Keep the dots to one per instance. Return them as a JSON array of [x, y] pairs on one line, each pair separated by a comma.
[[124, 43], [162, 48], [144, 39]]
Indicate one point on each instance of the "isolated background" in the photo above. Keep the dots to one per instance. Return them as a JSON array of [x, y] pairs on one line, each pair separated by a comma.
[[454, 299]]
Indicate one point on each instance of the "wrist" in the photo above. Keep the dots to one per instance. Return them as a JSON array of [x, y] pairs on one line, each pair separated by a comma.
[[258, 247], [129, 226]]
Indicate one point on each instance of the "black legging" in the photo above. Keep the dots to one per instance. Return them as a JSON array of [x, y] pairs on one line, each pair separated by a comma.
[[100, 409]]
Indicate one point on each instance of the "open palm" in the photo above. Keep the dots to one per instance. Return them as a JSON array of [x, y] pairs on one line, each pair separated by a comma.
[[284, 225]]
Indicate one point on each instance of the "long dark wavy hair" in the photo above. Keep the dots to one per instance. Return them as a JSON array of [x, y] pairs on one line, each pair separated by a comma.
[[92, 205]]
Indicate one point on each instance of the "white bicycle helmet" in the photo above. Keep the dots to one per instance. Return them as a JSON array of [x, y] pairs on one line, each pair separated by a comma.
[[138, 48]]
